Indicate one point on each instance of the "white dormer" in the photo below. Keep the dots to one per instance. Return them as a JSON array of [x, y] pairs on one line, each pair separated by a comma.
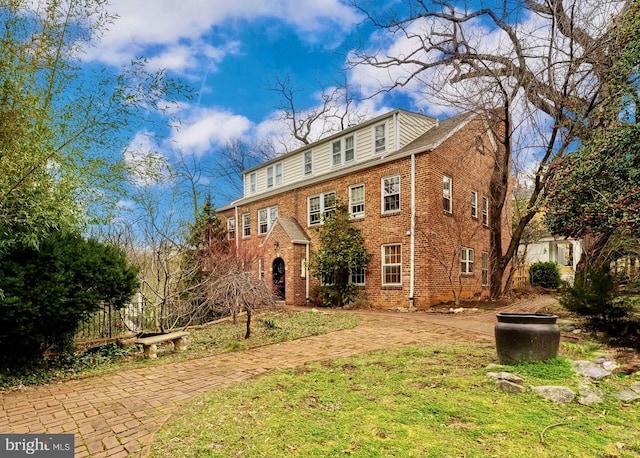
[[366, 142]]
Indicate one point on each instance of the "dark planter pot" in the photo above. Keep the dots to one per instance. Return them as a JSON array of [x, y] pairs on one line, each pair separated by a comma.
[[526, 337]]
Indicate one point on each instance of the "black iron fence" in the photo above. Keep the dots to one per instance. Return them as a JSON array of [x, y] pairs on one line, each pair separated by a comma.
[[141, 316]]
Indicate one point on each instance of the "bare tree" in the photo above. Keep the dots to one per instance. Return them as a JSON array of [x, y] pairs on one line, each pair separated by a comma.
[[229, 283], [233, 159], [543, 83], [335, 112]]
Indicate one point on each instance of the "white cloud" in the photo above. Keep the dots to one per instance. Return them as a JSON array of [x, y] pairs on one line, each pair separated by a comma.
[[145, 163], [170, 30], [205, 128]]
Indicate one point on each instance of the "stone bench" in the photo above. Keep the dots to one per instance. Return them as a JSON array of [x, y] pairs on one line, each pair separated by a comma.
[[150, 344]]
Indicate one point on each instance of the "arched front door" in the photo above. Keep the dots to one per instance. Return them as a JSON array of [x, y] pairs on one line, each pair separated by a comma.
[[278, 277]]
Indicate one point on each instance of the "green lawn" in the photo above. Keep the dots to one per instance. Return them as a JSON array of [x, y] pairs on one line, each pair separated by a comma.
[[430, 400], [268, 327]]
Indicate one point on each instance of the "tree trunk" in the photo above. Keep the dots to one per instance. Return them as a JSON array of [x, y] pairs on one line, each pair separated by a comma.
[[592, 255], [248, 333]]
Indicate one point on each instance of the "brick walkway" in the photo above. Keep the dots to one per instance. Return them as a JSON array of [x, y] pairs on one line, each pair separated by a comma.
[[116, 414]]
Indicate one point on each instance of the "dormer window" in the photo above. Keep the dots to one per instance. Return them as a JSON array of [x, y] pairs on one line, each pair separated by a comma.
[[380, 138], [308, 162], [274, 175], [342, 151], [252, 183]]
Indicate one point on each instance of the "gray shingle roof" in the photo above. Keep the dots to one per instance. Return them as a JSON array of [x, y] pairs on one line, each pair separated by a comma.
[[293, 229]]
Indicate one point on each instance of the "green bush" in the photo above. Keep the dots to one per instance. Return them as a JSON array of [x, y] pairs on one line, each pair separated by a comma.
[[47, 292], [545, 274], [596, 297]]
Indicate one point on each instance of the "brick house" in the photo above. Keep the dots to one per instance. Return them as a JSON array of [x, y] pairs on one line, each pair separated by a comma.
[[416, 187]]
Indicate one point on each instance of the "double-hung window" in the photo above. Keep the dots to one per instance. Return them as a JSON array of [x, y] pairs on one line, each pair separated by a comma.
[[485, 210], [392, 265], [357, 276], [246, 225], [308, 162], [252, 183], [342, 151], [391, 194], [321, 206], [474, 204], [466, 261], [485, 269], [274, 175], [380, 138], [447, 185], [266, 218], [356, 201], [231, 227]]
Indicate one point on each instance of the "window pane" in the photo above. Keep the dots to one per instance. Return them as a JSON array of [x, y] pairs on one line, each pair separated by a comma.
[[392, 274], [391, 194], [380, 138], [278, 174], [392, 203], [474, 204], [446, 193], [308, 163], [357, 200], [246, 225], [262, 221], [337, 153], [314, 210], [329, 204], [348, 149], [269, 177]]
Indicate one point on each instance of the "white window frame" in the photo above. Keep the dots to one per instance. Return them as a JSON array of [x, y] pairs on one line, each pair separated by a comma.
[[252, 183], [358, 276], [474, 204], [485, 210], [380, 142], [278, 168], [467, 256], [274, 175], [266, 217], [339, 151], [384, 194], [356, 203], [392, 265], [447, 193], [325, 208], [485, 268], [231, 227], [246, 225], [307, 161]]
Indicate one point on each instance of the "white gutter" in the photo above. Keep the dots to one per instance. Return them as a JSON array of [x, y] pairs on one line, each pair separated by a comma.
[[412, 249]]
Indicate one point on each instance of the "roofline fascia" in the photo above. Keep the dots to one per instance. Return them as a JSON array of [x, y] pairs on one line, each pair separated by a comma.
[[344, 171], [346, 131]]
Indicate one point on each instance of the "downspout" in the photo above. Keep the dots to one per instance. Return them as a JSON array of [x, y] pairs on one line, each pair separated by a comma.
[[235, 210], [306, 273], [412, 243]]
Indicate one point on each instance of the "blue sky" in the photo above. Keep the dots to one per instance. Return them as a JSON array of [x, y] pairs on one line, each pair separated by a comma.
[[232, 51]]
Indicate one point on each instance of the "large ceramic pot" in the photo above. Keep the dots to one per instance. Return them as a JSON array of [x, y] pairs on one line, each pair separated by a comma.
[[526, 337]]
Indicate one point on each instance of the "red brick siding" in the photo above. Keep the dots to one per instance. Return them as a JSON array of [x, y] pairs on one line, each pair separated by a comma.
[[436, 231]]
